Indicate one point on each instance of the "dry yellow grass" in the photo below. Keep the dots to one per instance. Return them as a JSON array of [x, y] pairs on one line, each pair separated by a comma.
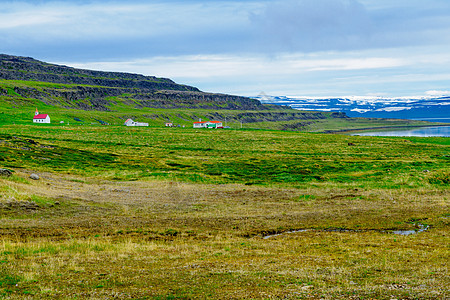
[[167, 240]]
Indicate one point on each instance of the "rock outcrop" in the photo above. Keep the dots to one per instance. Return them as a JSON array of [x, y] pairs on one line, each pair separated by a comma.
[[5, 173], [34, 176]]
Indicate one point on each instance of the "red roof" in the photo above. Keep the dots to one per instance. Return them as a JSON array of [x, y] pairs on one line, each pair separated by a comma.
[[41, 116], [207, 122]]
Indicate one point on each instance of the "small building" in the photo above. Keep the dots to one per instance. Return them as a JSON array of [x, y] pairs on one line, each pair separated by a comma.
[[41, 118], [169, 124], [214, 124], [208, 124], [199, 124], [130, 122]]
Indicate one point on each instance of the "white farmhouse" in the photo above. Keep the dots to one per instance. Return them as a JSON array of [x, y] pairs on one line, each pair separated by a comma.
[[40, 118], [130, 122]]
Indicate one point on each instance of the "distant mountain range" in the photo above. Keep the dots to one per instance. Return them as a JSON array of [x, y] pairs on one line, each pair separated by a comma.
[[434, 109]]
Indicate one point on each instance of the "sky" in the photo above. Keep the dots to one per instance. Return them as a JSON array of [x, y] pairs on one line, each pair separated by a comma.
[[297, 48]]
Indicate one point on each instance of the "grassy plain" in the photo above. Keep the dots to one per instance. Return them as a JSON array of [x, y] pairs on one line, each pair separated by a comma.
[[179, 213]]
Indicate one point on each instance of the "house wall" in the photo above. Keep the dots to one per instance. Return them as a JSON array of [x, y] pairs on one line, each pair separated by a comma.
[[208, 125], [132, 123], [46, 120]]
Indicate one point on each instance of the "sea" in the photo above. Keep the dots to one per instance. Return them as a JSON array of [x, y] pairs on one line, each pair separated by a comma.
[[438, 131], [440, 120]]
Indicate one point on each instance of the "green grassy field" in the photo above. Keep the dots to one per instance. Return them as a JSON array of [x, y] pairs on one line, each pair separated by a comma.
[[180, 213], [225, 156]]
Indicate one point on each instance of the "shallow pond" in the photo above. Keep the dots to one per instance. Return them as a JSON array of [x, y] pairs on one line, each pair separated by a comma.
[[422, 228]]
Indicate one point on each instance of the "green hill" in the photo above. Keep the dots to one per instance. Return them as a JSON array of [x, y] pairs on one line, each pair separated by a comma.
[[95, 97]]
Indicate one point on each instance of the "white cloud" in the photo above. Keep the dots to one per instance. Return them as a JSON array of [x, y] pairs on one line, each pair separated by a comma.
[[200, 66], [394, 108], [248, 75], [350, 64]]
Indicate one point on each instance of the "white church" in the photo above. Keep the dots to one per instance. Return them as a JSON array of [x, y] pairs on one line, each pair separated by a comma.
[[40, 118]]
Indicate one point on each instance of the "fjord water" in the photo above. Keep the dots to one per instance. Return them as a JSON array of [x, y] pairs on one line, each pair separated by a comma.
[[441, 131], [442, 120]]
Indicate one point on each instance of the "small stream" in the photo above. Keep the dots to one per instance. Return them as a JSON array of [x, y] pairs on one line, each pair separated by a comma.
[[421, 228], [286, 232]]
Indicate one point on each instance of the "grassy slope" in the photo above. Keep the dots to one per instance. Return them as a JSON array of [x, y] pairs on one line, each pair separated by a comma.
[[170, 213], [15, 109], [20, 114]]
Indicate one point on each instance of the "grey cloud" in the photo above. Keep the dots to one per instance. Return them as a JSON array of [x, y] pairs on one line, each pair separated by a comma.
[[94, 29], [112, 30], [323, 25], [412, 23], [311, 25]]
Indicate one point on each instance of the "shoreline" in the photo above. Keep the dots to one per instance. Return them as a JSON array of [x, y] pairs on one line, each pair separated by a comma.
[[345, 131]]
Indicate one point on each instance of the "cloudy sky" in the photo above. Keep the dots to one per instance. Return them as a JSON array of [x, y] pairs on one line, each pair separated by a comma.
[[282, 47]]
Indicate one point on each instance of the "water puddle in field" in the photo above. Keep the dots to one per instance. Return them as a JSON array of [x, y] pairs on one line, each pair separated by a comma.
[[421, 228], [286, 232]]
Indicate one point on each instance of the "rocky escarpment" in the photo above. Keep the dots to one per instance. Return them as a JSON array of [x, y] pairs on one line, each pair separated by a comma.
[[26, 68], [95, 90]]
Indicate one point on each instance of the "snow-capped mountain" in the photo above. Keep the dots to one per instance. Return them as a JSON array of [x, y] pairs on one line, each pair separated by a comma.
[[430, 108]]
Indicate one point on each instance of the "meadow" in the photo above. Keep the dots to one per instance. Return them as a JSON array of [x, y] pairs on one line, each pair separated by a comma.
[[183, 213]]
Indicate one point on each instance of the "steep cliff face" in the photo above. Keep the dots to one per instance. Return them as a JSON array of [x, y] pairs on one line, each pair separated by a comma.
[[96, 90]]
